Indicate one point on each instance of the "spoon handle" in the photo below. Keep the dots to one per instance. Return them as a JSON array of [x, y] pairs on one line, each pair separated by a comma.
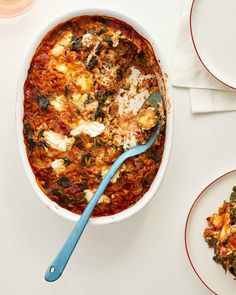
[[57, 267]]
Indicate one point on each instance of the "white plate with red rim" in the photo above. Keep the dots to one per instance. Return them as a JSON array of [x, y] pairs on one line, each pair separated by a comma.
[[212, 25], [212, 275]]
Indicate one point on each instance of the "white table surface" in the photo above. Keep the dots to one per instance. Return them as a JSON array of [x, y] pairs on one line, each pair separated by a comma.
[[142, 255]]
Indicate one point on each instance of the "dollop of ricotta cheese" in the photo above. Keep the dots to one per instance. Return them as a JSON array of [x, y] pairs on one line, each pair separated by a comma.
[[58, 141], [58, 165], [61, 45], [90, 128], [58, 103]]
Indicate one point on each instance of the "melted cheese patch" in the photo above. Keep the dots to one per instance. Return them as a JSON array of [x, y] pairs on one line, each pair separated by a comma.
[[62, 68], [58, 165], [90, 128], [58, 103], [89, 194], [58, 141], [85, 81], [61, 45], [79, 100]]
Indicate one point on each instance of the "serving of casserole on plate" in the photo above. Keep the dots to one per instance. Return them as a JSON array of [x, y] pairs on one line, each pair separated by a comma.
[[212, 219], [83, 92]]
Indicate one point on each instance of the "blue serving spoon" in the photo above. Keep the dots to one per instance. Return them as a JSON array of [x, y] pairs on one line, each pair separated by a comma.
[[58, 265]]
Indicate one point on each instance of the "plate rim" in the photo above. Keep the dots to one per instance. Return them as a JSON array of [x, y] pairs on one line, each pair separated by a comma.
[[187, 222], [197, 52]]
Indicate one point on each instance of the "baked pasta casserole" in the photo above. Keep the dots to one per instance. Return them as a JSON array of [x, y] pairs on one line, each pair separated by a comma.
[[85, 87]]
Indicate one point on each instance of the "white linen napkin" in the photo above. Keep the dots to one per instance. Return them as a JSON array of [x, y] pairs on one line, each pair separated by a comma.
[[206, 93]]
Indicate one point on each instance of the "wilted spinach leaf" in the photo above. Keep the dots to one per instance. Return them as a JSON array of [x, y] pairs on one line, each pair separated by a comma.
[[67, 91], [55, 192], [101, 31], [43, 102], [76, 43], [42, 144], [99, 113], [79, 143], [41, 133], [83, 186], [89, 99], [66, 161], [64, 181], [98, 48], [233, 197], [92, 62], [85, 159], [234, 264], [29, 133], [102, 97], [108, 40], [119, 74], [91, 31]]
